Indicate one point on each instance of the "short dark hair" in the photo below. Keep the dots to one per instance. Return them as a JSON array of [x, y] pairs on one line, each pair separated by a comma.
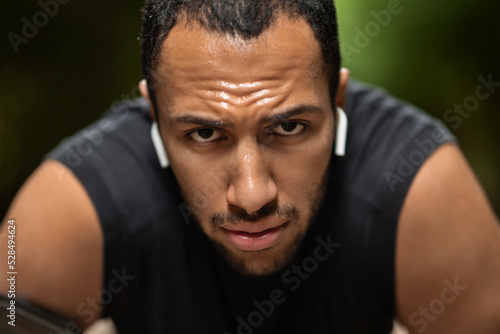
[[243, 18]]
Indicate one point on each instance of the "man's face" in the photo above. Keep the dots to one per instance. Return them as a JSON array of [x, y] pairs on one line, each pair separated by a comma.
[[248, 127]]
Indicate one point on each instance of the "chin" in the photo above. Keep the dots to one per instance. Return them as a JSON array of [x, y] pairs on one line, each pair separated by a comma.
[[258, 267], [260, 263]]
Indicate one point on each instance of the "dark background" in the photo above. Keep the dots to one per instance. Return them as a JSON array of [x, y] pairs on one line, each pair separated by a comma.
[[87, 57]]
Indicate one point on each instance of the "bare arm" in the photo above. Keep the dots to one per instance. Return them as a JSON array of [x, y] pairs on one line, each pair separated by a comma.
[[448, 251], [59, 244]]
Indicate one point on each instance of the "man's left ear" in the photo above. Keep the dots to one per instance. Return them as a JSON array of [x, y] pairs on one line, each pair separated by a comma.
[[143, 88], [341, 90]]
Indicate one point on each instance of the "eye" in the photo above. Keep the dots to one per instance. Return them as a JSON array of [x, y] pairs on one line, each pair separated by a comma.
[[205, 135], [288, 128]]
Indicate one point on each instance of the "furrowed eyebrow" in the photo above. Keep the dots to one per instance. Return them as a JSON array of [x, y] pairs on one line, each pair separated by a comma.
[[298, 110], [190, 119], [271, 119]]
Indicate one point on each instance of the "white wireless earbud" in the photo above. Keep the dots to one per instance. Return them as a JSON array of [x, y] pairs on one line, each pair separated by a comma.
[[341, 137], [158, 145]]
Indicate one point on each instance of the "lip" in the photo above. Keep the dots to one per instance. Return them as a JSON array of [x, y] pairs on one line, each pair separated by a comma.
[[255, 236]]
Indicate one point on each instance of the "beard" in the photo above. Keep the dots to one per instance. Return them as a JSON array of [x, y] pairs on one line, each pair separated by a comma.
[[264, 262]]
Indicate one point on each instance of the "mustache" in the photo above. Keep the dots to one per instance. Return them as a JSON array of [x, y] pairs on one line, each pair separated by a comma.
[[288, 211]]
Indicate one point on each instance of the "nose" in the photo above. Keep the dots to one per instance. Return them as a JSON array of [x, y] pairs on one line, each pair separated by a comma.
[[252, 185]]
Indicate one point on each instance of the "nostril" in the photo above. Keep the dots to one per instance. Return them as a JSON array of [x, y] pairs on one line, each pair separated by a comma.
[[251, 196]]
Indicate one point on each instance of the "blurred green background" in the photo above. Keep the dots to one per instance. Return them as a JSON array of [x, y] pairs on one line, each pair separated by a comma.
[[87, 57]]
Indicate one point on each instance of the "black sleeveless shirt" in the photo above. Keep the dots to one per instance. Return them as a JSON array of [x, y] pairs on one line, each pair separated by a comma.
[[163, 276]]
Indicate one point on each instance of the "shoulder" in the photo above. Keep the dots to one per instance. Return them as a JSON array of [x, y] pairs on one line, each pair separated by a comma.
[[448, 251], [82, 214], [116, 163], [58, 243], [433, 223], [388, 141], [137, 203]]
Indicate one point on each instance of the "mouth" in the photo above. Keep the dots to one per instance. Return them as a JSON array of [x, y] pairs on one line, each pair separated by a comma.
[[258, 236]]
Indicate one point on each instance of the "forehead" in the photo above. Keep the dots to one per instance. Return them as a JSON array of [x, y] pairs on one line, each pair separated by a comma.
[[286, 48]]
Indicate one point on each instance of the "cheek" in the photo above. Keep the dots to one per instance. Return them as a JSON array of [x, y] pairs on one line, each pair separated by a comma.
[[300, 175], [202, 185], [308, 162], [301, 180]]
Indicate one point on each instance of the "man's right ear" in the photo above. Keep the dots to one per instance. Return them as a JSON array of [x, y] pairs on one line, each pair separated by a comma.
[[143, 88]]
